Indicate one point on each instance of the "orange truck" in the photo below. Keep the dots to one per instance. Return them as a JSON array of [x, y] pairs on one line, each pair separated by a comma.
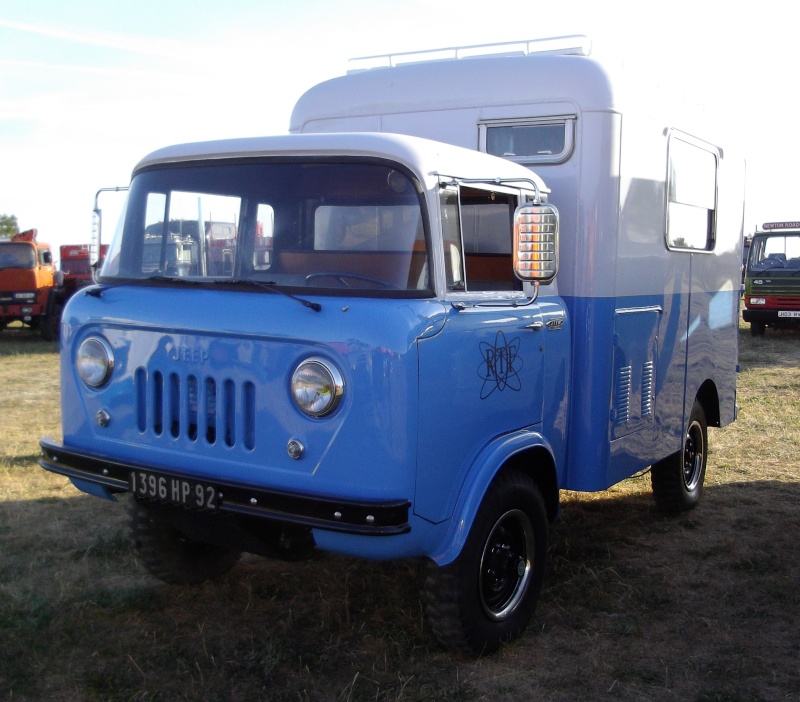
[[28, 288]]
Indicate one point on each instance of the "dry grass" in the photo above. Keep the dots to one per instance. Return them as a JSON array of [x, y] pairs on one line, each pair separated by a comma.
[[703, 607]]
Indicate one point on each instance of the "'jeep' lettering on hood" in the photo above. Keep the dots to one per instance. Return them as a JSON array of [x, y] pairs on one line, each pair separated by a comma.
[[187, 354]]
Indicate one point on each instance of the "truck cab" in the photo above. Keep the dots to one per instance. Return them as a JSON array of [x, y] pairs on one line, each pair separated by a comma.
[[27, 280], [290, 339], [772, 278]]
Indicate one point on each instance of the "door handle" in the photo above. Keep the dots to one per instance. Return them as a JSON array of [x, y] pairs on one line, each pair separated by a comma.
[[535, 326]]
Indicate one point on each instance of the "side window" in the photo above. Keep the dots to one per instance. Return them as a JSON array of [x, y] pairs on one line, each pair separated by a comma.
[[478, 240], [451, 238], [545, 140], [45, 257], [692, 196]]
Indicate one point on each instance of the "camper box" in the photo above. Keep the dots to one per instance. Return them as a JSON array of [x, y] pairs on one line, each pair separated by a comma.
[[651, 224]]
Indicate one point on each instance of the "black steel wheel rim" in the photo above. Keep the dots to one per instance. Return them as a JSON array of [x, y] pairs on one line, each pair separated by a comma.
[[506, 564], [693, 454]]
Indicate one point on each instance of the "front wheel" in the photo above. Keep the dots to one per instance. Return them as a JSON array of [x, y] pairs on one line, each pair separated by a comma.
[[757, 329], [678, 479], [162, 546], [487, 596]]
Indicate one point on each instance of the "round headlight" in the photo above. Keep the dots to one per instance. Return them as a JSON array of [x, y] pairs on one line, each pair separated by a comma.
[[317, 387], [94, 361]]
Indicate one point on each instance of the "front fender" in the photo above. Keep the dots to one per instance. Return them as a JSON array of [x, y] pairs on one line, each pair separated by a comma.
[[483, 470]]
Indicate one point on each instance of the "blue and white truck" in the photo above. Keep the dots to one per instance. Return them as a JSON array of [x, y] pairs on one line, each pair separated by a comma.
[[372, 342]]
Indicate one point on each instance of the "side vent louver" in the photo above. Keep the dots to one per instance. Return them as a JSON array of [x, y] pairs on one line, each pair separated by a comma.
[[623, 402], [648, 373]]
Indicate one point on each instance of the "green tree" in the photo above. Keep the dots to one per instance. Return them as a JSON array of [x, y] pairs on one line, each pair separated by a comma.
[[8, 226]]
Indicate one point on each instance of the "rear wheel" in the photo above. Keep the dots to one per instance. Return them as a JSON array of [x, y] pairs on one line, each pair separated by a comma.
[[162, 546], [678, 479], [486, 597]]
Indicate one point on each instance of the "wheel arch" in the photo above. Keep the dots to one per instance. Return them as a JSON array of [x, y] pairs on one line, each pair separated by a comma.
[[530, 454], [708, 397]]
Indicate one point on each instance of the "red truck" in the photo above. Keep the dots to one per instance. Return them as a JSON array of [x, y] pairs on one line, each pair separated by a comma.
[[76, 269], [28, 288]]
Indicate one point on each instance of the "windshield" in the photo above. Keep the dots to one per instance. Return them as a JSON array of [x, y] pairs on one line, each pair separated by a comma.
[[17, 256], [322, 226], [774, 253]]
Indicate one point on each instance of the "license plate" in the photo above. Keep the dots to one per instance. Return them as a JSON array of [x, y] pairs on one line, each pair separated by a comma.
[[790, 313], [164, 488]]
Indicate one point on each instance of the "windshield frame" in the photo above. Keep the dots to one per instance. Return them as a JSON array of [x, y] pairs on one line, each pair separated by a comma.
[[761, 262], [9, 257], [402, 189]]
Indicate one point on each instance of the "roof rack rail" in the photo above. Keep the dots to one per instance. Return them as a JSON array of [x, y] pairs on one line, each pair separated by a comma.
[[574, 45]]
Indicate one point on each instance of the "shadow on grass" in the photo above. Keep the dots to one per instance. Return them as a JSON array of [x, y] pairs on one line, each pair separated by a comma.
[[685, 607]]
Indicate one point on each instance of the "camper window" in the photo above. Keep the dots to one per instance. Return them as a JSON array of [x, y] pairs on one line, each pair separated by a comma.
[[692, 202], [528, 141]]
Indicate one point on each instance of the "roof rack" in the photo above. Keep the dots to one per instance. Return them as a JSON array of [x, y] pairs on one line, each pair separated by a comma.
[[574, 45]]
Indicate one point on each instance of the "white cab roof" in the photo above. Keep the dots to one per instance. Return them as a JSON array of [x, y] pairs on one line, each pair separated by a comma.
[[428, 159]]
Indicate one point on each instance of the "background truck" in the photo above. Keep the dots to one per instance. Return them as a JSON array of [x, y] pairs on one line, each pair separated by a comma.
[[772, 278], [405, 348], [27, 284], [76, 268]]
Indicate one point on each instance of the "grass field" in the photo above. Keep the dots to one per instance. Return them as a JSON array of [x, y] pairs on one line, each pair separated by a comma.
[[636, 606]]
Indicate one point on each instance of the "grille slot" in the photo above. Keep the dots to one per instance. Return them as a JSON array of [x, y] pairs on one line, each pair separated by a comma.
[[195, 408], [792, 303]]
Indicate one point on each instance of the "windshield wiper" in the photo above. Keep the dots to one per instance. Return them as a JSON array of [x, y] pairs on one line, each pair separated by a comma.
[[271, 285]]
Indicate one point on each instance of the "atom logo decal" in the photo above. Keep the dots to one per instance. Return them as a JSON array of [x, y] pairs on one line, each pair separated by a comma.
[[500, 365]]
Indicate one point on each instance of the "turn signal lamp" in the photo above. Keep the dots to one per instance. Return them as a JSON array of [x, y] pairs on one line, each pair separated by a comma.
[[536, 242]]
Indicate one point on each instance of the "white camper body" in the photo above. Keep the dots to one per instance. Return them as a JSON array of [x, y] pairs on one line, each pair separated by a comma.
[[651, 231]]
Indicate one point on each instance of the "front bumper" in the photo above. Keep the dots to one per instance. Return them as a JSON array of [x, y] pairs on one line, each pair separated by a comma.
[[20, 310], [384, 518], [771, 317]]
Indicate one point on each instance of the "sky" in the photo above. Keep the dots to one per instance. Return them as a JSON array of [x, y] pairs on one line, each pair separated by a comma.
[[87, 88]]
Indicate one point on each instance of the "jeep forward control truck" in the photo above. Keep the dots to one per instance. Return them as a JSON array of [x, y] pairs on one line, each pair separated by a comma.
[[371, 342]]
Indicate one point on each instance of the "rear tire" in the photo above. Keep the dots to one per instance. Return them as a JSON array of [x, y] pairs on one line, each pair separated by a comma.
[[487, 596], [50, 323], [678, 479], [165, 550]]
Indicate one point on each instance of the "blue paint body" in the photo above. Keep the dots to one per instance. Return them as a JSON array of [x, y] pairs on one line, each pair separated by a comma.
[[581, 383]]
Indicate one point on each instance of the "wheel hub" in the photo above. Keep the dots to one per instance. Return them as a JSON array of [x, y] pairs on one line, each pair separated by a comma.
[[506, 565]]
